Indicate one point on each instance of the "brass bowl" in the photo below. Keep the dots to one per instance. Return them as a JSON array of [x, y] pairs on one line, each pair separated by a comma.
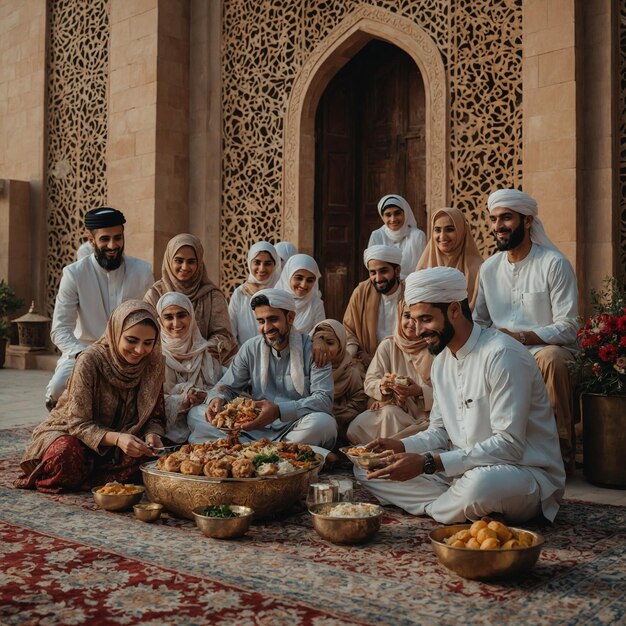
[[148, 511], [345, 529], [117, 502], [268, 496], [484, 564], [224, 527]]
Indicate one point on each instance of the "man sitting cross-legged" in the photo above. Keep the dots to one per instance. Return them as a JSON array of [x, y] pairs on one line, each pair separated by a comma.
[[294, 396], [490, 403]]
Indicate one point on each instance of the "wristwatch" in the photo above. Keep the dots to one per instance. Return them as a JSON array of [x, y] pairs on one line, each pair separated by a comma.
[[429, 463], [522, 338]]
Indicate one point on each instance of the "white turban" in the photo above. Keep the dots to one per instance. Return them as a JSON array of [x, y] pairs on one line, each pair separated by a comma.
[[278, 298], [390, 254], [521, 202], [435, 284]]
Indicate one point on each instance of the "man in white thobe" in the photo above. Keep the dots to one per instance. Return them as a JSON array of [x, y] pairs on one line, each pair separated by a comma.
[[528, 290], [295, 397], [492, 445], [90, 290], [372, 312]]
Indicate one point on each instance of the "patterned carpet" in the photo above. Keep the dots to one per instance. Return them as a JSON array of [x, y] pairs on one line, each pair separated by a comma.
[[63, 561]]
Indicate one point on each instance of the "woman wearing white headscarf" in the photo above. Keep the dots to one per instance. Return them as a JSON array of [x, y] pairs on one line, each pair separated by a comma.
[[286, 250], [190, 369], [301, 277], [264, 271], [399, 229]]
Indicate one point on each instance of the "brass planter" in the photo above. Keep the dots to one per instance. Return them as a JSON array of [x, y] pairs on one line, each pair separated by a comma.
[[604, 439], [268, 496]]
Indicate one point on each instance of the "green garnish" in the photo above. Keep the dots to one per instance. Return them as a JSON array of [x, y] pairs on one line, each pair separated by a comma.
[[259, 459], [307, 456], [218, 510]]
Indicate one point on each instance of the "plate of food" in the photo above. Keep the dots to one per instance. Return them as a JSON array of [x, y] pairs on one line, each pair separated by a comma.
[[367, 459], [235, 414]]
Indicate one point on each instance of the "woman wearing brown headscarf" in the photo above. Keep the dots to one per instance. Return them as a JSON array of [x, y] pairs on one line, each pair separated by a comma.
[[111, 414], [183, 270], [398, 380], [451, 245]]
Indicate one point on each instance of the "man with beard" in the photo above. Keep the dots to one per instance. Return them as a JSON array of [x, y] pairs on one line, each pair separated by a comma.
[[90, 289], [372, 311], [294, 398], [491, 446], [528, 291]]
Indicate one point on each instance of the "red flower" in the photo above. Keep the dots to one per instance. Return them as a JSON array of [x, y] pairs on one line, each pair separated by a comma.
[[621, 324], [607, 353], [608, 324], [622, 341], [590, 340]]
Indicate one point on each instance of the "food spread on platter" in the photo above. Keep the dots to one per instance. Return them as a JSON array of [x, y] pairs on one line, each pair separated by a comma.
[[488, 534], [223, 459], [240, 411], [397, 379], [118, 489], [219, 510]]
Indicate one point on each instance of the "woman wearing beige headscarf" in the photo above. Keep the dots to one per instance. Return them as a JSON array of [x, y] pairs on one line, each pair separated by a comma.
[[451, 245], [329, 343], [398, 379], [183, 270], [110, 416]]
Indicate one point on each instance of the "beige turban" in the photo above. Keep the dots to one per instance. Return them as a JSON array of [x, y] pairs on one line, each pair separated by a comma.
[[390, 254], [435, 284], [278, 298], [521, 202]]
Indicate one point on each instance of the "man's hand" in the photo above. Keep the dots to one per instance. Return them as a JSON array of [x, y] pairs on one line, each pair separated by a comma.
[[213, 408], [134, 446], [268, 413], [384, 443], [319, 351], [403, 466]]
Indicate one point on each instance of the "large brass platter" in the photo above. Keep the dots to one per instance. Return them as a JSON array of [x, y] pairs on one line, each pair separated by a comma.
[[268, 496]]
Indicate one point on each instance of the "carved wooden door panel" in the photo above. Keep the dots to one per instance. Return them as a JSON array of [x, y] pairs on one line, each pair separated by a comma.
[[369, 142]]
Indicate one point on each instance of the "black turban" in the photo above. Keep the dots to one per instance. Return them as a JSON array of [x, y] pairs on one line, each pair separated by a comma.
[[103, 217]]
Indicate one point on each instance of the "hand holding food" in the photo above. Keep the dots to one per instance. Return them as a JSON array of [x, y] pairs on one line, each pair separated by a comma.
[[401, 467], [213, 408], [385, 443], [236, 413], [133, 446]]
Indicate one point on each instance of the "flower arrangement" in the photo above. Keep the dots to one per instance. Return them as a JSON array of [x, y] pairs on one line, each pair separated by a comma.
[[601, 361]]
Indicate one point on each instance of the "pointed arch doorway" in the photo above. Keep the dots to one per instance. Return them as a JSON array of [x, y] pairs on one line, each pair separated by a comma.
[[369, 141]]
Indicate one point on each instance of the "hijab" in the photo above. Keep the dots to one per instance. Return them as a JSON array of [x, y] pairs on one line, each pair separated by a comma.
[[393, 200], [252, 285], [464, 256], [285, 250]]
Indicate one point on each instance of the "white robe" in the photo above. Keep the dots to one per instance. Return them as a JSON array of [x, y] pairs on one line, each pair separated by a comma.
[[412, 247], [491, 404], [242, 316], [387, 314]]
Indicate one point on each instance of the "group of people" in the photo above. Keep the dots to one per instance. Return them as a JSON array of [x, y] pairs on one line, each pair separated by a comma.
[[473, 430]]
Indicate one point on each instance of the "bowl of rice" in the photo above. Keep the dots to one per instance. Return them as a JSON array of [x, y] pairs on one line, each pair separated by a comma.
[[346, 522]]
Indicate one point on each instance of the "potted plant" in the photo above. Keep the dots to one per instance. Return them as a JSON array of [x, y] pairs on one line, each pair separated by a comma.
[[601, 369], [9, 303]]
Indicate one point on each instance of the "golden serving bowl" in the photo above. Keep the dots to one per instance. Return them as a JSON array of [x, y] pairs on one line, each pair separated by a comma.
[[268, 496], [148, 511], [345, 529], [117, 502], [484, 564], [224, 527]]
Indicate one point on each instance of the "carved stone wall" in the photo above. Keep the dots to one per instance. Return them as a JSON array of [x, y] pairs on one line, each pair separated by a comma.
[[622, 136], [265, 45], [78, 63]]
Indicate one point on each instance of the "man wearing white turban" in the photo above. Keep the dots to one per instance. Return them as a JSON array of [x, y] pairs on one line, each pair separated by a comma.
[[492, 445], [372, 310], [294, 397], [528, 290]]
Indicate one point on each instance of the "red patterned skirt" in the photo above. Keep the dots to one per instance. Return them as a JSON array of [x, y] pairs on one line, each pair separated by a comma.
[[69, 465]]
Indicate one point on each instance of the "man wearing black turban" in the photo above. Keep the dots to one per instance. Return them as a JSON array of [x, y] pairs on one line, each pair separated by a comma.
[[90, 289]]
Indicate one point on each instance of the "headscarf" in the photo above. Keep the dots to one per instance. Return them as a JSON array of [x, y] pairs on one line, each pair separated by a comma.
[[347, 374], [521, 202], [389, 254], [281, 299], [464, 256], [415, 350], [252, 285], [435, 284], [304, 304], [285, 250], [409, 219], [188, 356]]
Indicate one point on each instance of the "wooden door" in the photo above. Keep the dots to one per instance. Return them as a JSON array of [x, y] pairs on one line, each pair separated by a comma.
[[369, 142]]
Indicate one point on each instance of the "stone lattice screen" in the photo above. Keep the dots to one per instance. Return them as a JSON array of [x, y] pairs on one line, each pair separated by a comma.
[[622, 136], [78, 65], [265, 44]]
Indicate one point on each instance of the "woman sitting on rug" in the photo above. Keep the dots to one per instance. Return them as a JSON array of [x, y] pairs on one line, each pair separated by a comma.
[[183, 270], [111, 414], [398, 379], [329, 345], [190, 369]]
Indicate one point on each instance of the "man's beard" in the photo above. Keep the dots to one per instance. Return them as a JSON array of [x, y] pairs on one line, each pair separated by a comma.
[[389, 285], [445, 337], [107, 263], [515, 238], [278, 340]]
